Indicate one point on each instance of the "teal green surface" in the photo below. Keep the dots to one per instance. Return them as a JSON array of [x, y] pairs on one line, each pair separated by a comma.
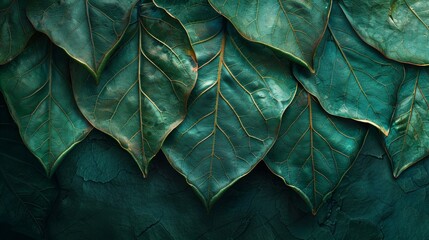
[[36, 86], [352, 80], [87, 30], [15, 29], [142, 94], [294, 27], [397, 28], [408, 141], [103, 196], [314, 149], [235, 110]]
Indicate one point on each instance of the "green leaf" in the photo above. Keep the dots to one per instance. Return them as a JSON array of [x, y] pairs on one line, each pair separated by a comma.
[[235, 109], [15, 29], [294, 27], [26, 194], [352, 80], [88, 30], [142, 94], [37, 90], [397, 28], [408, 141], [314, 149]]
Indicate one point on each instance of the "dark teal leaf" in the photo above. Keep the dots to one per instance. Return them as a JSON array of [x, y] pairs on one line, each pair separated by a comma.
[[397, 28], [142, 94], [294, 27], [314, 149], [352, 80], [15, 29], [26, 194], [235, 109], [88, 30], [408, 141], [36, 86]]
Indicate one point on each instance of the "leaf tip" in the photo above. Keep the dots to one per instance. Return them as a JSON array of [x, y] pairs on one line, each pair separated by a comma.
[[311, 69], [49, 172], [144, 171], [397, 171], [314, 211], [208, 201]]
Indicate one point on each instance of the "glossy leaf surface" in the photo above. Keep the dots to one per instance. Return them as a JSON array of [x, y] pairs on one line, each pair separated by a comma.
[[88, 30], [26, 194], [235, 109], [294, 27], [352, 80], [36, 86], [408, 141], [314, 149], [397, 28], [15, 29], [143, 92]]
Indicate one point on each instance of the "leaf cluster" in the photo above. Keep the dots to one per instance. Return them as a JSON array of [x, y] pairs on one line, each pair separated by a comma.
[[219, 86]]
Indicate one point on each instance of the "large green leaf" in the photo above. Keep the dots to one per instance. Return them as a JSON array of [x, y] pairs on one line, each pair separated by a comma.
[[88, 30], [36, 86], [26, 194], [294, 27], [408, 141], [397, 28], [352, 80], [15, 29], [142, 94], [314, 149], [235, 109]]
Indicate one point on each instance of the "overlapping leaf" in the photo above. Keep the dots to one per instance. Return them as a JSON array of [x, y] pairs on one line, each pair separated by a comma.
[[26, 194], [314, 149], [143, 92], [15, 29], [235, 109], [397, 28], [294, 27], [87, 29], [37, 90], [408, 141], [352, 80]]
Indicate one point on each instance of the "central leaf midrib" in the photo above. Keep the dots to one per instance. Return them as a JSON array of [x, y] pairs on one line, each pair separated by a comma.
[[90, 31], [145, 160], [51, 163], [218, 82], [401, 159], [292, 28], [310, 113]]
